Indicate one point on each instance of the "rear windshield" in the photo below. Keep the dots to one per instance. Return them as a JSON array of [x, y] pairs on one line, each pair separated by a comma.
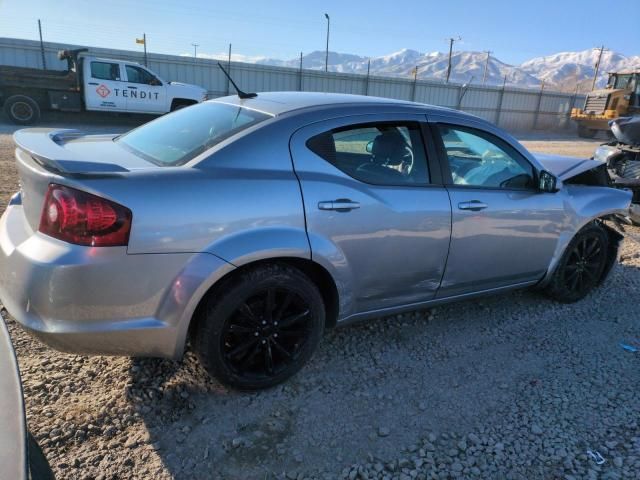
[[181, 136]]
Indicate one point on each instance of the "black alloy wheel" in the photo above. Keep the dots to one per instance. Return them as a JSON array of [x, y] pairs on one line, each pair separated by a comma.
[[582, 265], [266, 333], [260, 326]]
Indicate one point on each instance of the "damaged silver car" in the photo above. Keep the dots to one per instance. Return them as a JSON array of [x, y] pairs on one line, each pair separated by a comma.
[[249, 224]]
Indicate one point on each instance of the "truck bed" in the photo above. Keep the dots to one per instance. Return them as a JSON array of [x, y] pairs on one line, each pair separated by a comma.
[[26, 78]]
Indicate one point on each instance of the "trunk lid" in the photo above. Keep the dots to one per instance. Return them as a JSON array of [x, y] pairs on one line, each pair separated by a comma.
[[45, 155]]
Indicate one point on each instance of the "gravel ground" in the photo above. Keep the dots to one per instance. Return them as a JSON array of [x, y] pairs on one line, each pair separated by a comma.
[[509, 387]]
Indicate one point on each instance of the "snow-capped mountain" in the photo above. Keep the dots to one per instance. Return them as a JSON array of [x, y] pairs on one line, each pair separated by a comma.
[[561, 71], [566, 69], [430, 65]]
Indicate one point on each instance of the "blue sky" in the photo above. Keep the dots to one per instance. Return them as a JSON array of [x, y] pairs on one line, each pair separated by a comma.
[[514, 30]]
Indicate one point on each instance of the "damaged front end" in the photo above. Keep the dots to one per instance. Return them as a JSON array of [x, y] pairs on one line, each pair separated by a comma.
[[622, 162]]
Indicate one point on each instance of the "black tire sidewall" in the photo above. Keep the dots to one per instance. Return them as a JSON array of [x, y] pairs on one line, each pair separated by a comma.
[[557, 289], [35, 109], [229, 296]]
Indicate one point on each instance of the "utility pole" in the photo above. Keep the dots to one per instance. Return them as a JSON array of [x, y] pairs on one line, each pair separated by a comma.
[[144, 41], [44, 61], [229, 70], [486, 66], [326, 55], [595, 76], [415, 82], [366, 89], [195, 50], [300, 85], [451, 41]]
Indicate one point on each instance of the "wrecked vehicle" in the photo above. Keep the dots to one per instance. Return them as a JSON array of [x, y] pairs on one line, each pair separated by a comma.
[[249, 224], [21, 457], [622, 159]]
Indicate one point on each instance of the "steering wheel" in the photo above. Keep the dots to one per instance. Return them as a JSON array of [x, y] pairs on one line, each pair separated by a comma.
[[407, 159]]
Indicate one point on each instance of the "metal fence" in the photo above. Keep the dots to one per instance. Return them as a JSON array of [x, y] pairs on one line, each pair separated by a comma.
[[511, 108]]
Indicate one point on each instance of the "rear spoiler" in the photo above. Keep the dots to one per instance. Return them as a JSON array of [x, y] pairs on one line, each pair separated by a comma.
[[45, 146]]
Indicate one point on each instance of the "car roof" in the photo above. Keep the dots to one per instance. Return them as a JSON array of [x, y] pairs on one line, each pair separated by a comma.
[[278, 103]]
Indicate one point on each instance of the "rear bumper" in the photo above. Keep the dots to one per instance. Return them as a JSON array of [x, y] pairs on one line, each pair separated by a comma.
[[99, 300]]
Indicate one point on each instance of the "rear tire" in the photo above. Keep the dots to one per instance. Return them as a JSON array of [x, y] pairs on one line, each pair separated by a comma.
[[260, 327], [585, 132], [581, 266], [22, 110]]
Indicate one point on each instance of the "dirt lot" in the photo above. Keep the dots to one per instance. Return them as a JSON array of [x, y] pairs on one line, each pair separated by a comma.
[[510, 387]]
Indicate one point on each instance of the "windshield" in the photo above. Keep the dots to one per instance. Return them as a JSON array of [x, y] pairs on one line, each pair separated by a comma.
[[181, 136], [621, 81]]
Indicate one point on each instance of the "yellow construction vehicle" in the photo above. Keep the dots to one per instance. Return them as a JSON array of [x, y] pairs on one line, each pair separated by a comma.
[[620, 98]]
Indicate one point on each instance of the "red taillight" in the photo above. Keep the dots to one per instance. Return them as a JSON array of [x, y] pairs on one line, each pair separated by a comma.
[[84, 219]]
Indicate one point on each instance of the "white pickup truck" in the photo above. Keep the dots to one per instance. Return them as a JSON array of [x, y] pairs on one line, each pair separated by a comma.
[[90, 83]]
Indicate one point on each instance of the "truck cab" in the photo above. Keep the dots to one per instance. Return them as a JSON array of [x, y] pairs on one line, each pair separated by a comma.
[[121, 86], [91, 83]]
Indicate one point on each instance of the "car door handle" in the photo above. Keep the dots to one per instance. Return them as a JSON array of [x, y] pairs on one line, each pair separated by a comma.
[[473, 205], [339, 205], [93, 83], [132, 87]]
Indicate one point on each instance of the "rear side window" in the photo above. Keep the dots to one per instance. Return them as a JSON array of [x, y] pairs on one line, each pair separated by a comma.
[[105, 71], [176, 138], [376, 153]]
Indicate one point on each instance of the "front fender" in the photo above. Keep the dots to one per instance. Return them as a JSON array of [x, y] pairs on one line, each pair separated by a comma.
[[584, 204]]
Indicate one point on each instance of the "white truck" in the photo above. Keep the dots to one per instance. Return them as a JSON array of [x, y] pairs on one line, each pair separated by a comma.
[[90, 83]]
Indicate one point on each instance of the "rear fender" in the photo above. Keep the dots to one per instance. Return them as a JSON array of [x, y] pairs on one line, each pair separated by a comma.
[[254, 244], [185, 292], [204, 270]]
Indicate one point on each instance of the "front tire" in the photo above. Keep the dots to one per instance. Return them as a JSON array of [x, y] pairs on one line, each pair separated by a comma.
[[22, 110], [260, 327], [581, 266]]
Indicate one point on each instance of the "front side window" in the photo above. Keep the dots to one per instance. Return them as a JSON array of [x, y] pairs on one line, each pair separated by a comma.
[[376, 153], [176, 138], [139, 75], [479, 159], [105, 71]]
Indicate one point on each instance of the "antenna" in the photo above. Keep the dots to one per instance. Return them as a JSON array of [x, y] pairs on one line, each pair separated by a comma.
[[241, 94]]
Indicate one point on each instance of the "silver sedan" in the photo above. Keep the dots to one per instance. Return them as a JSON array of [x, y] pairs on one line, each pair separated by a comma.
[[249, 225]]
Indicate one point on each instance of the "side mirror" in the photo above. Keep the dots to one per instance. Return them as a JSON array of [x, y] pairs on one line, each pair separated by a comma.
[[369, 147], [547, 182], [155, 82]]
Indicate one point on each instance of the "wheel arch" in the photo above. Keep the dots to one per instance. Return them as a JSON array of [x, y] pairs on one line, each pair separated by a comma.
[[182, 102], [615, 240]]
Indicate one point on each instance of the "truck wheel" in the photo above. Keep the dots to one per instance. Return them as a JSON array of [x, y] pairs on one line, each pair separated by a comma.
[[22, 109], [585, 132]]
